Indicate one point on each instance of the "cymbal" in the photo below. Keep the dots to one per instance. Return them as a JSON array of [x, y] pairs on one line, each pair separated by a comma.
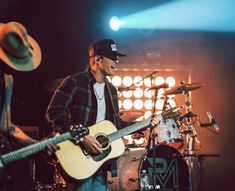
[[130, 115], [125, 88], [52, 85], [164, 85], [184, 88]]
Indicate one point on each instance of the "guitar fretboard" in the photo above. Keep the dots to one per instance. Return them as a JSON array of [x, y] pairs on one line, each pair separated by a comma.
[[130, 129], [34, 148]]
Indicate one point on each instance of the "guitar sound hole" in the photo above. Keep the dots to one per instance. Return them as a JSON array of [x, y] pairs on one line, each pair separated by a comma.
[[104, 141], [106, 148]]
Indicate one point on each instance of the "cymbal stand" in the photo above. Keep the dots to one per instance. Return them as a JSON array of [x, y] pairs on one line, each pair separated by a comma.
[[191, 136], [151, 140], [166, 104]]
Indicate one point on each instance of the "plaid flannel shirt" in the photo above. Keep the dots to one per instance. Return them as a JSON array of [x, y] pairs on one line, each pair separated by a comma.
[[74, 102]]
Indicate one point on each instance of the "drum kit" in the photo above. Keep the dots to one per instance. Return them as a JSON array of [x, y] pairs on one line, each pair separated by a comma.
[[168, 160]]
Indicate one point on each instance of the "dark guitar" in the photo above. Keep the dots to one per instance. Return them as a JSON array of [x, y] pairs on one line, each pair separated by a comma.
[[75, 133]]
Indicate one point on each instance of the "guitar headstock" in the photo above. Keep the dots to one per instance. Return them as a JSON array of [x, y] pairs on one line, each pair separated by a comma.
[[78, 132]]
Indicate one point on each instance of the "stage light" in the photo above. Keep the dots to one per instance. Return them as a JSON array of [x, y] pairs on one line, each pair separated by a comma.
[[127, 81], [138, 104], [160, 93], [171, 81], [116, 81], [138, 81], [148, 104], [188, 15], [159, 80], [159, 104], [138, 93], [148, 93], [127, 94], [147, 82], [127, 104], [115, 23]]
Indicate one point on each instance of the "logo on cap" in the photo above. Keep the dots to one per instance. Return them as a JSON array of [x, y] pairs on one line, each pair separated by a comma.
[[113, 47]]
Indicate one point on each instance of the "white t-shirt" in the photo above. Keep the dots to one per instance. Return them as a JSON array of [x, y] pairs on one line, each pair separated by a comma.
[[101, 106]]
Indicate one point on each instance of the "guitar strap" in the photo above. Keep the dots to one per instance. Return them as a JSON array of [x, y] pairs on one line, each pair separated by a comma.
[[114, 170], [114, 111]]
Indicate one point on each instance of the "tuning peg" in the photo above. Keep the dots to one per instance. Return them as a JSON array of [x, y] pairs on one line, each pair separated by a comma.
[[81, 139], [71, 127]]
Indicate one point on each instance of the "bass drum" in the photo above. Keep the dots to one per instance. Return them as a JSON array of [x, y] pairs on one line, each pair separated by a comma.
[[171, 170]]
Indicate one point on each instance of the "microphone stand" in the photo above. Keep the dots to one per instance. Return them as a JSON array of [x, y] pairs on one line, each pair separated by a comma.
[[191, 137], [149, 75]]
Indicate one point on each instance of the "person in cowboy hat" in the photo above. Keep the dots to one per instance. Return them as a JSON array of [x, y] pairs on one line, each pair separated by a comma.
[[18, 52], [87, 98]]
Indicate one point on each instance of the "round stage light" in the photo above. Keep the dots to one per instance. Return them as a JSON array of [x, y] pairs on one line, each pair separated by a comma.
[[115, 23], [159, 80], [171, 81], [138, 104], [127, 94], [148, 93], [160, 93], [147, 82], [138, 81], [148, 104], [127, 104], [116, 81], [127, 81], [159, 104], [138, 93]]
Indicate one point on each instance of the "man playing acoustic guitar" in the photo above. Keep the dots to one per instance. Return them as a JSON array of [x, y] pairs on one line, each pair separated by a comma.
[[88, 98]]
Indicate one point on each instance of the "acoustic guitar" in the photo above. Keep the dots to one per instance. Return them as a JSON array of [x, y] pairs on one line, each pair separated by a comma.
[[79, 164]]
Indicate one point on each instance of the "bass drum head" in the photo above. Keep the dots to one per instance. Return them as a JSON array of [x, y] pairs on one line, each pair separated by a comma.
[[171, 169]]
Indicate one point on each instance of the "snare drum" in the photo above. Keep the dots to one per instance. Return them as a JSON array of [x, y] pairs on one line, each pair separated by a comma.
[[167, 133]]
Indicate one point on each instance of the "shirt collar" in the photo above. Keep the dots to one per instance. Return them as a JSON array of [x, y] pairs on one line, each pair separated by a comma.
[[90, 76]]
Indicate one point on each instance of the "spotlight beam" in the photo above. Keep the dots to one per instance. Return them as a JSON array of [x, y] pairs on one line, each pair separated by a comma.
[[193, 15]]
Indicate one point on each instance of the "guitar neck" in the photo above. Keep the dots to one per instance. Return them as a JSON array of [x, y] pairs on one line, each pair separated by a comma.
[[34, 148], [127, 130]]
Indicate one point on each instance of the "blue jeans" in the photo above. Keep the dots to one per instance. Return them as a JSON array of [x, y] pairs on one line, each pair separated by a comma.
[[97, 182]]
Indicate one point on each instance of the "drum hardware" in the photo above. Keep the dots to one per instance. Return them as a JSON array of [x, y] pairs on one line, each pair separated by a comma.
[[58, 183], [189, 121], [151, 140], [184, 88], [121, 88], [167, 134]]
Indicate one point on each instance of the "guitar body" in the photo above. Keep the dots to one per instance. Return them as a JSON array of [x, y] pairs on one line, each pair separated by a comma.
[[80, 165]]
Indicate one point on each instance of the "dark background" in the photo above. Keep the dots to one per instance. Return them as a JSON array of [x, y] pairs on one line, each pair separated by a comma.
[[64, 30]]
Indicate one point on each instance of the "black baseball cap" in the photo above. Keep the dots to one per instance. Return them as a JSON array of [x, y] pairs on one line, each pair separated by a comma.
[[106, 48]]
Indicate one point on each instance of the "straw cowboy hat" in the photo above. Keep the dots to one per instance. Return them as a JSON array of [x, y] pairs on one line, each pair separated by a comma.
[[17, 49]]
